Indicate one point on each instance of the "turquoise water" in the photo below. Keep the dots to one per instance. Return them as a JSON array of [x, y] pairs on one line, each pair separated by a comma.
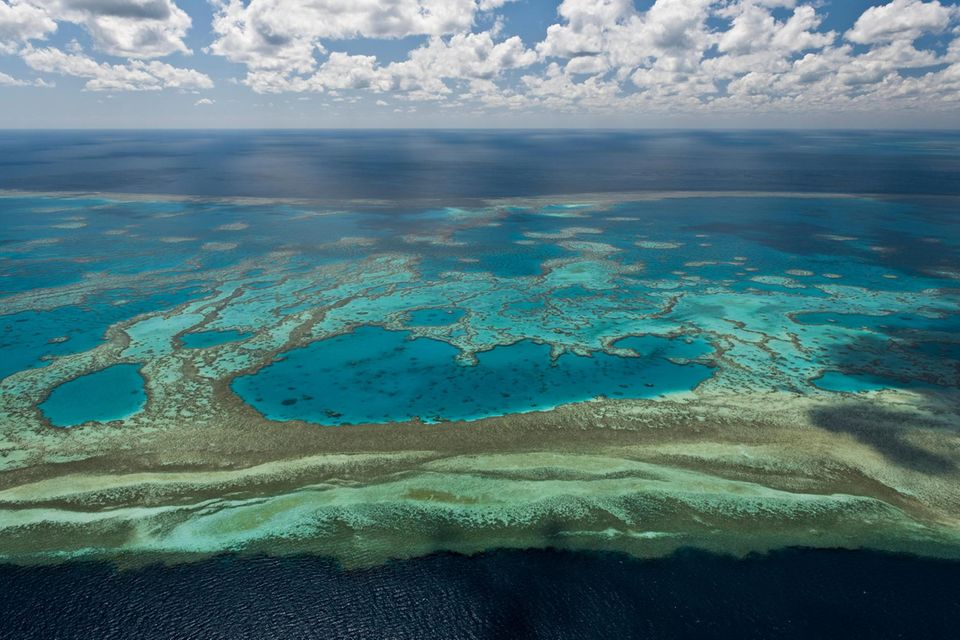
[[850, 383], [434, 317], [375, 375], [862, 382], [204, 339], [512, 307], [32, 338], [656, 347], [114, 393]]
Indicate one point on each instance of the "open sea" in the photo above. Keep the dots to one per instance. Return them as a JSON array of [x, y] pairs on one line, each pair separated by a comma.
[[428, 179], [458, 166], [497, 595]]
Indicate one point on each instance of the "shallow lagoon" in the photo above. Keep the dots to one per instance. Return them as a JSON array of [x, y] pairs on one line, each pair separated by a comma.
[[114, 393], [205, 339], [375, 375], [435, 317]]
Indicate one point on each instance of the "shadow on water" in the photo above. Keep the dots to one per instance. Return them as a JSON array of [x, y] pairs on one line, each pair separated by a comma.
[[916, 254], [884, 428], [513, 617]]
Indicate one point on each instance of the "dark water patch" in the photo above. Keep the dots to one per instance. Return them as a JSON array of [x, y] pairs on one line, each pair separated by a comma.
[[889, 323], [462, 165], [513, 595], [888, 362], [657, 347], [884, 429], [860, 382], [942, 350], [871, 363], [882, 234]]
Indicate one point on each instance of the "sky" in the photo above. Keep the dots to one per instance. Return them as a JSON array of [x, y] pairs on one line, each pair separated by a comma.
[[479, 63]]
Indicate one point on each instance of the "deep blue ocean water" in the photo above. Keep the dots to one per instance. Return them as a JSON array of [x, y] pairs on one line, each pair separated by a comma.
[[462, 165], [509, 595]]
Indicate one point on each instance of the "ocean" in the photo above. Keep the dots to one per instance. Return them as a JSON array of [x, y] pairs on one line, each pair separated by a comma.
[[180, 301], [505, 595], [459, 166]]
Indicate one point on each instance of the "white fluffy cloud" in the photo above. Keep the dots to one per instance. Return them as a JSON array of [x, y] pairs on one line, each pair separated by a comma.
[[741, 55], [287, 34], [599, 56], [901, 19], [134, 29], [136, 75], [671, 53], [462, 57], [128, 28], [21, 22]]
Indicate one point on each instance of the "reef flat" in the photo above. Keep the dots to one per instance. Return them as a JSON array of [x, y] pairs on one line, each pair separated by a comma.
[[735, 372]]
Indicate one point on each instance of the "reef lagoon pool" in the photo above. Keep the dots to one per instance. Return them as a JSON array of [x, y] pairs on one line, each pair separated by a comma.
[[114, 393], [375, 375]]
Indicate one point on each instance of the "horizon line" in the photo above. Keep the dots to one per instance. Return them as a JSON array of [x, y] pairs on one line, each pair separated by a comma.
[[497, 128]]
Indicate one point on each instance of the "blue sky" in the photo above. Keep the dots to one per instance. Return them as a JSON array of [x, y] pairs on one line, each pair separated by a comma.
[[484, 63]]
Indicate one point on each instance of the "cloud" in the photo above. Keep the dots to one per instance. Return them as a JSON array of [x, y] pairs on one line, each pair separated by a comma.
[[900, 19], [738, 56], [557, 89], [127, 28], [204, 102], [288, 34], [597, 36], [21, 22], [136, 75], [602, 55], [10, 81], [659, 56], [126, 9], [133, 29], [462, 57], [753, 29]]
